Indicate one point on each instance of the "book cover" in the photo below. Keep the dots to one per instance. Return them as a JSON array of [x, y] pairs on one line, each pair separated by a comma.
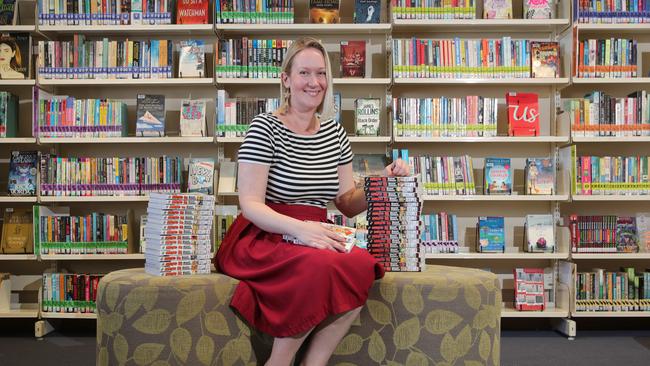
[[324, 11], [192, 121], [22, 173], [643, 230], [337, 107], [349, 233], [367, 11], [353, 59], [498, 176], [364, 165], [540, 234], [366, 116], [529, 289], [7, 11], [8, 114], [17, 231], [497, 9], [491, 234], [192, 11], [201, 176], [545, 59], [627, 238], [523, 114], [150, 111], [191, 60], [539, 9], [15, 55], [540, 176]]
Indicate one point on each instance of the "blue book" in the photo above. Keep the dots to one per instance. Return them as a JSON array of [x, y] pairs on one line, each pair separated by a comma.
[[491, 234], [22, 173], [367, 11], [498, 176]]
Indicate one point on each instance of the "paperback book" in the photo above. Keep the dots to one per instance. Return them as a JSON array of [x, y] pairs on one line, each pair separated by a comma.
[[192, 11], [17, 231], [191, 61], [497, 9], [23, 166], [545, 59], [540, 234], [348, 233], [353, 59], [498, 176], [324, 11], [8, 114], [367, 11], [540, 176], [151, 115], [523, 114], [529, 289], [491, 234], [15, 64], [7, 12], [366, 116], [627, 238], [539, 9], [192, 121], [201, 176]]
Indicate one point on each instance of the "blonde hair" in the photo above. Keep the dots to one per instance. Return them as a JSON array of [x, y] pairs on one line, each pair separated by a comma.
[[326, 109]]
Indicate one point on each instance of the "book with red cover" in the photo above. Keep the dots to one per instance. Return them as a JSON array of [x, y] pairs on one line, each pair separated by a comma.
[[529, 289], [353, 59], [192, 12], [523, 114]]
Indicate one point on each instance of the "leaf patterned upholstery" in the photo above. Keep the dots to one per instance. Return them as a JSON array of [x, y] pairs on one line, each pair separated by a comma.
[[441, 317]]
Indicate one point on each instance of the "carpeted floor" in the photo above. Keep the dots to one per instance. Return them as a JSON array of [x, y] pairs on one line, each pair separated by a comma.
[[72, 347]]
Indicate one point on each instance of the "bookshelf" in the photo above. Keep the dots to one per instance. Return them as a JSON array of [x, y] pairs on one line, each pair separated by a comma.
[[191, 30], [481, 25], [127, 140], [301, 29]]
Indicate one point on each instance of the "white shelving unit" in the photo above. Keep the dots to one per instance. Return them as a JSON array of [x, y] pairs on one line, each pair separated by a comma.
[[127, 82], [481, 25], [499, 139], [138, 30], [301, 29], [127, 140], [505, 82], [84, 257], [337, 81]]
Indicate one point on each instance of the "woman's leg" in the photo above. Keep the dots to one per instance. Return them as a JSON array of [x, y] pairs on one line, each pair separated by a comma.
[[284, 349], [327, 336]]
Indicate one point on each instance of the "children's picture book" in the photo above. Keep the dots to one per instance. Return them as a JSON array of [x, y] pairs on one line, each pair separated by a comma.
[[491, 234], [201, 176], [192, 121], [191, 61], [353, 59], [366, 116], [367, 11], [324, 11], [22, 173], [364, 165], [540, 233], [497, 9], [7, 12], [349, 233], [337, 107], [529, 289], [545, 59], [17, 231], [627, 238], [8, 114], [150, 112], [192, 11], [15, 49], [523, 114], [539, 9], [498, 176], [540, 176]]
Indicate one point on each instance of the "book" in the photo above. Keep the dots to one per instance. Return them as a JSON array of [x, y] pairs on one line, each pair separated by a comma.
[[643, 230], [191, 60], [353, 59], [540, 234], [365, 165], [192, 121], [549, 287], [349, 233], [539, 9], [491, 234], [7, 12], [22, 173], [16, 51], [192, 11], [540, 176], [498, 176], [366, 116], [143, 239], [227, 177], [545, 59], [337, 107], [529, 289], [8, 114], [497, 9], [201, 176], [324, 11], [17, 231], [367, 11], [627, 238], [150, 112], [523, 114]]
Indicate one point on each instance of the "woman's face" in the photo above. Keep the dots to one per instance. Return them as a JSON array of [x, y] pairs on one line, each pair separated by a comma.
[[308, 79], [6, 53]]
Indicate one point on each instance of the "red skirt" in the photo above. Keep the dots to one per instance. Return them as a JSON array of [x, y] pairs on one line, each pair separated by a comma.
[[287, 289]]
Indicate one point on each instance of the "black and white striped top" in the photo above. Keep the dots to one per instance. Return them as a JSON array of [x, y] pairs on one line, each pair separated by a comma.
[[303, 168]]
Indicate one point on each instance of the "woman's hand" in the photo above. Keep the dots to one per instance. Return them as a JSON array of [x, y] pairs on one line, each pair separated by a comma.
[[315, 235], [399, 168]]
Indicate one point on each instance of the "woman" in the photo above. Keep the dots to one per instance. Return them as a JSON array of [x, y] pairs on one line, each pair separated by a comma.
[[291, 164], [10, 60]]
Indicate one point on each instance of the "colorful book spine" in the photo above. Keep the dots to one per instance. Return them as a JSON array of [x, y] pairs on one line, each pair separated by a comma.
[[93, 12], [254, 12], [440, 233], [405, 9], [96, 233], [602, 290], [235, 114], [69, 292], [611, 175], [606, 58], [64, 116], [612, 12], [250, 58], [444, 175]]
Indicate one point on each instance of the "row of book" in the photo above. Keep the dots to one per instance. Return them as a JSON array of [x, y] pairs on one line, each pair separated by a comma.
[[96, 233], [466, 9], [469, 116], [607, 58], [475, 58], [600, 114], [91, 176], [608, 233], [254, 12], [250, 58], [439, 233], [69, 292], [594, 11], [611, 175], [234, 114], [603, 290], [120, 12], [8, 114], [105, 59]]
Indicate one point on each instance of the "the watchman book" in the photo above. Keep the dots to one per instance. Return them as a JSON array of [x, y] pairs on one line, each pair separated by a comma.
[[192, 11]]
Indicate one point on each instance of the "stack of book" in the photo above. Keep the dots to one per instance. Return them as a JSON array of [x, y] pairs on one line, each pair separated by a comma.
[[394, 222], [178, 234]]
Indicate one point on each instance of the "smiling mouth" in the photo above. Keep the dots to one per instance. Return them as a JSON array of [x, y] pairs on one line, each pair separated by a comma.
[[313, 93]]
